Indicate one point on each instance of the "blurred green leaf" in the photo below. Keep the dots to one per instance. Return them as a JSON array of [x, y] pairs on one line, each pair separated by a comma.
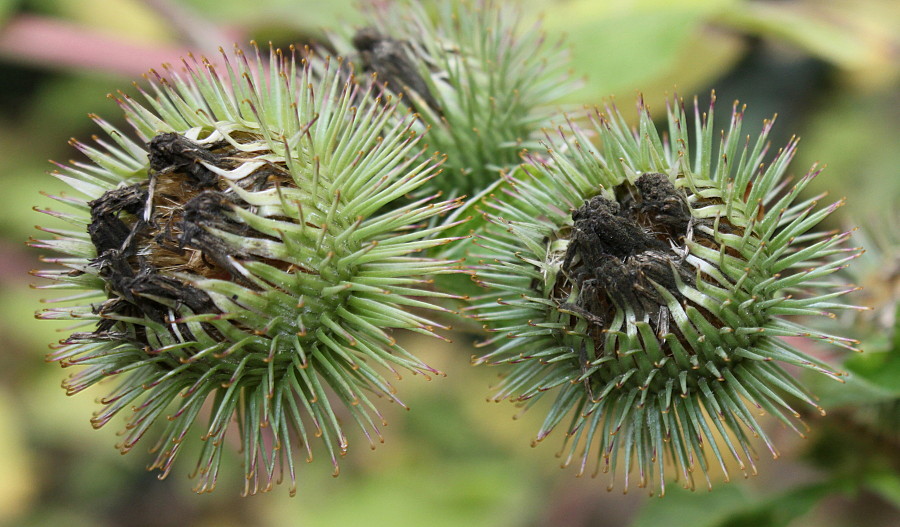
[[895, 338], [60, 107], [6, 9], [19, 222], [798, 24], [447, 493], [682, 508], [17, 323], [731, 506], [782, 509], [886, 484], [299, 13], [626, 46], [881, 369], [855, 391], [853, 35], [855, 136]]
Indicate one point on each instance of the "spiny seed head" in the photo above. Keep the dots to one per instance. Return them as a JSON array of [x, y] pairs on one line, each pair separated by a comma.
[[482, 84], [242, 260], [646, 288]]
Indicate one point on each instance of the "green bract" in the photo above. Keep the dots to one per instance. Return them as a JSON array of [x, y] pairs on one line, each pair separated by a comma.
[[244, 260], [646, 286], [480, 83]]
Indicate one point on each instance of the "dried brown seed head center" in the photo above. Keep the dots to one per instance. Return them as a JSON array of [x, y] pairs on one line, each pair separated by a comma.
[[623, 249]]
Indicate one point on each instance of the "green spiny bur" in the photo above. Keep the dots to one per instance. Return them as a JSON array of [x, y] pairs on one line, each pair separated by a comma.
[[645, 286], [483, 84], [241, 261]]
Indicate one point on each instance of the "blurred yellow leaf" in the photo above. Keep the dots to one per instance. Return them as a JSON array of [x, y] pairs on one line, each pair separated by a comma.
[[17, 480]]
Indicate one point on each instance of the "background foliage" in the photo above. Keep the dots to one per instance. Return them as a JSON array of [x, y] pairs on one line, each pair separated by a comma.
[[831, 70]]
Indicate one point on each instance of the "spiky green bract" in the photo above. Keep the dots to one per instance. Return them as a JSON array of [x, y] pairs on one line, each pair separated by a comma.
[[494, 81], [302, 263], [680, 383]]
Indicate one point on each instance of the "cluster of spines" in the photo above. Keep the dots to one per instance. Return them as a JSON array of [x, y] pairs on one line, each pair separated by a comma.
[[280, 341], [495, 83], [645, 398]]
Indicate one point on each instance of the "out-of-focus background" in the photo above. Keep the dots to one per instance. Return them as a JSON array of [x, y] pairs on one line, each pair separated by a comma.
[[829, 69]]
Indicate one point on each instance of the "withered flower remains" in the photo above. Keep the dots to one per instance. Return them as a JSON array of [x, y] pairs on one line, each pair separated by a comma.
[[242, 263]]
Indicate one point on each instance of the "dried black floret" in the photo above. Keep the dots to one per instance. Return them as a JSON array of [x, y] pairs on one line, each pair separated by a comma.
[[130, 226], [108, 230], [149, 283], [392, 61], [620, 253], [663, 204], [171, 152], [169, 222], [602, 230], [147, 289], [207, 210]]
